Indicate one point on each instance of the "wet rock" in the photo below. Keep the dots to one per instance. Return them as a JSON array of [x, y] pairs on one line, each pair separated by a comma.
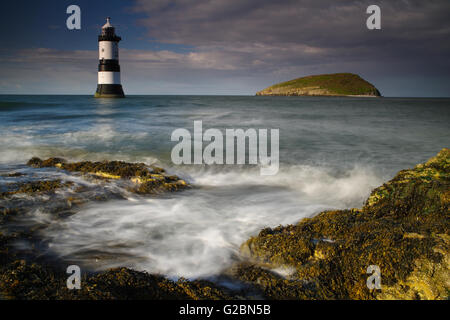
[[403, 228], [21, 280], [7, 213], [428, 280], [272, 285], [4, 250], [146, 179], [33, 187], [13, 174], [41, 186], [36, 162], [202, 289]]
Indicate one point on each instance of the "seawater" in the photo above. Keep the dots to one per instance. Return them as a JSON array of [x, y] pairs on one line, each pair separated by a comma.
[[333, 152]]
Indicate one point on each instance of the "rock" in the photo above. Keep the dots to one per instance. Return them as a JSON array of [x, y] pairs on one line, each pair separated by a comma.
[[21, 280], [146, 179], [429, 279], [33, 187], [35, 162], [12, 174], [272, 285], [403, 228]]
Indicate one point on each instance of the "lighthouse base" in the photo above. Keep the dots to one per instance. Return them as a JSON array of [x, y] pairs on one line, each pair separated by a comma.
[[109, 91]]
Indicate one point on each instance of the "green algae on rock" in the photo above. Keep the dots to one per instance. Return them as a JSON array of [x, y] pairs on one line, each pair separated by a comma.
[[146, 179], [337, 84], [22, 280], [32, 187], [403, 229]]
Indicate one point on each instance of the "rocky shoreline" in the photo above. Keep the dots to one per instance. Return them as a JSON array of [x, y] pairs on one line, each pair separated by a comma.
[[403, 229]]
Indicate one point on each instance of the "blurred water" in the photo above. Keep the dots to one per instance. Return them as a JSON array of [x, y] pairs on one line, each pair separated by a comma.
[[333, 151]]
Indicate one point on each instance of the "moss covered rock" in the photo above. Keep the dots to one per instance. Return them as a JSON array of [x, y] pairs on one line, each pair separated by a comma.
[[22, 280], [32, 187], [146, 179], [403, 229]]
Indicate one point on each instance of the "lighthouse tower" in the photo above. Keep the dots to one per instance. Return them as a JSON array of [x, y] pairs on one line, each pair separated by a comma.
[[109, 85]]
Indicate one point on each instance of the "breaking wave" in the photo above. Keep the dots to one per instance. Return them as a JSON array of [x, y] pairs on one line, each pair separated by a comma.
[[197, 233]]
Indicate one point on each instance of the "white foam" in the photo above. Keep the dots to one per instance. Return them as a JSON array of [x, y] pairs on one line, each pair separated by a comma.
[[19, 144], [196, 233]]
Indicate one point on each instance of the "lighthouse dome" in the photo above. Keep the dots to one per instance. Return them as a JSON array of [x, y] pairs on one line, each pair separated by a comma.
[[108, 23], [109, 31]]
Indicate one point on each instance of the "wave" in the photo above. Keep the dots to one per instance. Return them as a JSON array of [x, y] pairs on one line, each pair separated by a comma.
[[197, 233], [100, 142]]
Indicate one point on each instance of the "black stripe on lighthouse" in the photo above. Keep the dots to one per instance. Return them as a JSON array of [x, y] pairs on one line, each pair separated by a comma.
[[109, 65], [110, 91]]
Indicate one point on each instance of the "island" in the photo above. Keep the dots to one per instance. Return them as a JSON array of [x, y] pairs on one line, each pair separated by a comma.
[[337, 84]]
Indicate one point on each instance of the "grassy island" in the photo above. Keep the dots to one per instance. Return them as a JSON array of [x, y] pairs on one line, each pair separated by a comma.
[[337, 84]]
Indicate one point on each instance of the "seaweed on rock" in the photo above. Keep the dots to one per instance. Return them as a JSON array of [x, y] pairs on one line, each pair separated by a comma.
[[403, 228], [21, 280], [33, 187], [145, 179]]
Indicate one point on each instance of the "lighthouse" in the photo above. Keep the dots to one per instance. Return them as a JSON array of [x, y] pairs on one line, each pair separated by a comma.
[[108, 85]]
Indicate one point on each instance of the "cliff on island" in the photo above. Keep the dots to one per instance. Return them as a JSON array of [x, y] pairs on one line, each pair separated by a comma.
[[338, 84], [403, 229]]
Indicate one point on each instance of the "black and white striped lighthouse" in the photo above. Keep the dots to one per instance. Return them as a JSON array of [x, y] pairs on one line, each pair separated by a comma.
[[109, 85]]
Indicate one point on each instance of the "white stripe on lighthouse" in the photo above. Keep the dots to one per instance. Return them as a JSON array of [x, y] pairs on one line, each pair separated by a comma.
[[108, 50], [108, 77]]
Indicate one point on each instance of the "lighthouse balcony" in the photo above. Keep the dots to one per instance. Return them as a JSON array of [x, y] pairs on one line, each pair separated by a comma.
[[107, 37]]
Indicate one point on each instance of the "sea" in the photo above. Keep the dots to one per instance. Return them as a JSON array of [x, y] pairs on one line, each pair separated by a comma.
[[332, 150]]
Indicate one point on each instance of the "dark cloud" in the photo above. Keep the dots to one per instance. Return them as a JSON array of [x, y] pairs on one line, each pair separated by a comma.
[[292, 38], [322, 23]]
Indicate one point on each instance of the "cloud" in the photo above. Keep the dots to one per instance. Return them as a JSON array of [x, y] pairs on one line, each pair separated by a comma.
[[282, 39], [286, 23], [326, 23], [241, 46], [46, 70]]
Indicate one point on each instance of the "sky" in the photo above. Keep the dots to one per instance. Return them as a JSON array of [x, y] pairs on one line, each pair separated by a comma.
[[226, 47]]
